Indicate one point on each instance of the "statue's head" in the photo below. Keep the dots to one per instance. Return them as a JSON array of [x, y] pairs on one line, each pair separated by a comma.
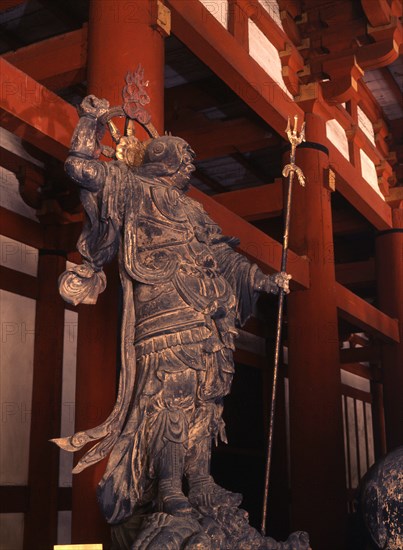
[[170, 156]]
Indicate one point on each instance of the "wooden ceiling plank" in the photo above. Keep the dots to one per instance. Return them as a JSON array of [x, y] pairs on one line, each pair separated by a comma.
[[249, 166], [47, 61], [209, 181], [255, 203], [362, 314], [221, 138]]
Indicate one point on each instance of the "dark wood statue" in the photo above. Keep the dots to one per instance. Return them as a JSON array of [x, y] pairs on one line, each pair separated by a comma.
[[378, 521], [185, 290]]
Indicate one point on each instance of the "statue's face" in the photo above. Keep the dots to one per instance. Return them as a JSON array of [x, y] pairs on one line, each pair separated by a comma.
[[186, 167], [170, 157]]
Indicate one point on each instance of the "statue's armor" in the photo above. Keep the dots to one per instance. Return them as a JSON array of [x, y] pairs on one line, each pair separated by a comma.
[[189, 302], [185, 319]]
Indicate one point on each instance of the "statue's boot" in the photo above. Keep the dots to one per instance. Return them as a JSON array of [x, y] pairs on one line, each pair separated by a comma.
[[171, 499], [203, 490]]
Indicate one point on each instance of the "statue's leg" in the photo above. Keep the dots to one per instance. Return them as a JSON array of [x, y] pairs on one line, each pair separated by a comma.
[[207, 424], [203, 491], [171, 499], [171, 437]]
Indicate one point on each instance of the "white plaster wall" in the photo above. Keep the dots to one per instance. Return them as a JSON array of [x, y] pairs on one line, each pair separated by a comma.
[[18, 256], [16, 374], [368, 172], [266, 55], [371, 450], [11, 531], [352, 442], [345, 440], [68, 393], [357, 423], [219, 9], [366, 125], [336, 134], [64, 527], [272, 8]]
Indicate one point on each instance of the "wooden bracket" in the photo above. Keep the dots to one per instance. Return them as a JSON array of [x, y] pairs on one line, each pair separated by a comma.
[[329, 179], [344, 74], [161, 18]]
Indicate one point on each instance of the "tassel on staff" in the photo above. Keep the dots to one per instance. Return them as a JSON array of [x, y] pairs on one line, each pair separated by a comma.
[[288, 172]]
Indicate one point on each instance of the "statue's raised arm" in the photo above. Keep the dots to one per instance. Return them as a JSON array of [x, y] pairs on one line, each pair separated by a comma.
[[82, 164]]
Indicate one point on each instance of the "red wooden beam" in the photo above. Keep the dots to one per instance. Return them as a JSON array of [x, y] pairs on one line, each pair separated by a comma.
[[356, 272], [14, 499], [360, 395], [14, 163], [360, 355], [10, 4], [254, 243], [362, 314], [250, 359], [369, 373], [18, 282], [55, 62], [21, 229], [34, 113], [255, 203]]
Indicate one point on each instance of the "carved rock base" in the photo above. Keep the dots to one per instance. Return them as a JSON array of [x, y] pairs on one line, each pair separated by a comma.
[[219, 527]]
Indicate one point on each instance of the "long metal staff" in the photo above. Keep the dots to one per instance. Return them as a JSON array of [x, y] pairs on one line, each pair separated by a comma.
[[288, 172]]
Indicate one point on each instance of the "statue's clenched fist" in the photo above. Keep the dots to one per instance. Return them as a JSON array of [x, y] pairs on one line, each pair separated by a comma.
[[93, 107], [273, 283], [282, 281]]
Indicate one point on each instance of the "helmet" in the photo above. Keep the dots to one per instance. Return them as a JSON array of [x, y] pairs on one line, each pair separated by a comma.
[[166, 154]]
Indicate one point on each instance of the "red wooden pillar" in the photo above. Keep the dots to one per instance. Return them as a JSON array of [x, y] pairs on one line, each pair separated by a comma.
[[389, 265], [318, 500], [120, 36], [40, 529], [95, 396]]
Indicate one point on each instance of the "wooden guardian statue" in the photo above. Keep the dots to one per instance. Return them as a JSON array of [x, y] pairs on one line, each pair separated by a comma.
[[185, 292]]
